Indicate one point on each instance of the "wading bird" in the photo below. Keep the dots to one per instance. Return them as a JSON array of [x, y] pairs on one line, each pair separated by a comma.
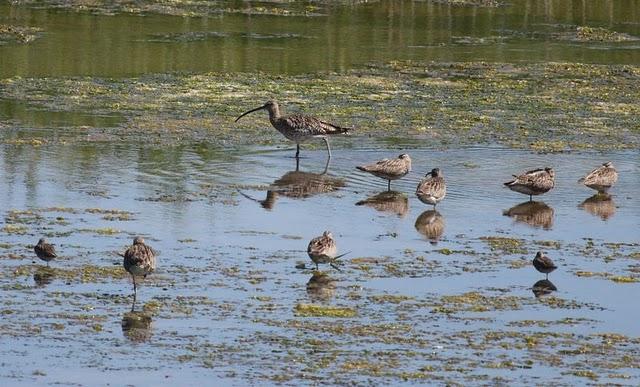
[[433, 188], [601, 178], [393, 169], [299, 128], [543, 264], [139, 260], [534, 182], [45, 251]]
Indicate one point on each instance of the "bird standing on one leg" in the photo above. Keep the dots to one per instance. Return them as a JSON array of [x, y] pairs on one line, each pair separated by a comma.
[[543, 264], [433, 188], [389, 169], [534, 182], [601, 178], [45, 251], [139, 260], [299, 128]]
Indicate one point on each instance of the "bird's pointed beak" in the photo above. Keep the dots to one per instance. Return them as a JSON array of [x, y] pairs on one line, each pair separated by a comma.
[[250, 111]]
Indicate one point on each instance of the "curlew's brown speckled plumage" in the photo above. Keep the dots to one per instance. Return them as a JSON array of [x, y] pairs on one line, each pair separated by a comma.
[[433, 188], [139, 260], [45, 251], [389, 169], [534, 182], [601, 178], [297, 127], [323, 249], [543, 264]]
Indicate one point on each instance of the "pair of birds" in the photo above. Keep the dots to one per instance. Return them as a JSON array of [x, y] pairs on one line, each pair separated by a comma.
[[539, 181], [431, 190], [139, 258]]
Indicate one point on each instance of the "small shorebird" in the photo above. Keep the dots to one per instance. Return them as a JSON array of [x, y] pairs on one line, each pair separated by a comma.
[[601, 178], [543, 264], [323, 249], [297, 127], [389, 169], [45, 251], [139, 260], [432, 190], [534, 182]]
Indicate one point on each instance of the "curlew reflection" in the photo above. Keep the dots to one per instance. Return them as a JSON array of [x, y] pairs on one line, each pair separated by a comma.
[[298, 185], [536, 214], [388, 201], [543, 288], [430, 224], [44, 275], [136, 326], [601, 205], [321, 286]]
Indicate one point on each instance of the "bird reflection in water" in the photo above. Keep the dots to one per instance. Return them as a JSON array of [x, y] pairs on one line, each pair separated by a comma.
[[536, 214], [321, 286], [44, 275], [600, 205], [430, 224], [298, 185], [543, 288], [388, 201], [136, 326]]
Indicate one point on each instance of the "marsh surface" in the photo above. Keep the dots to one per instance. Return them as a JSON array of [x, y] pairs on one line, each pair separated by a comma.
[[116, 120]]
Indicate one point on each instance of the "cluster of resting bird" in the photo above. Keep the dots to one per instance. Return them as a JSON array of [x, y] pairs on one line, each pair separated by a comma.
[[140, 259]]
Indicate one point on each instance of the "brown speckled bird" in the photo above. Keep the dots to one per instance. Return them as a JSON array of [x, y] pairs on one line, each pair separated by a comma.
[[543, 264], [601, 178], [139, 260], [45, 251], [299, 128], [323, 249], [534, 182], [393, 169], [433, 189]]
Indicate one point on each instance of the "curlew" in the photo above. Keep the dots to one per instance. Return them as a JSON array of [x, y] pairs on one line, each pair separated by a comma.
[[139, 260], [389, 169], [534, 182], [45, 251], [543, 264], [433, 188], [299, 128], [601, 178]]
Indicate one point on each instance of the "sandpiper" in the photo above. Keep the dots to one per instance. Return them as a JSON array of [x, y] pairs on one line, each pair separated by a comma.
[[534, 182], [389, 169], [601, 178], [297, 127], [323, 249], [45, 251], [433, 189], [543, 264], [139, 260]]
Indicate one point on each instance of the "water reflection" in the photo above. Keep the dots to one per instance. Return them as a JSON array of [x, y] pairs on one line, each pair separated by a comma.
[[543, 288], [536, 214], [136, 326], [299, 185], [43, 276], [388, 201], [601, 205], [430, 224], [321, 287]]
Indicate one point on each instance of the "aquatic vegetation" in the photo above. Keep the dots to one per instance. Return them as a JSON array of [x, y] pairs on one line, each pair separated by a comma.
[[311, 310], [18, 34]]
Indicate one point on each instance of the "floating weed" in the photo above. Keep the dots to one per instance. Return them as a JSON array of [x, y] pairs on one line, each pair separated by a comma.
[[312, 310], [15, 229], [505, 245]]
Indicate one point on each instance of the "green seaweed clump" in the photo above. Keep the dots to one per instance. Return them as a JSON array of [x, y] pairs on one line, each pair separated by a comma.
[[312, 310]]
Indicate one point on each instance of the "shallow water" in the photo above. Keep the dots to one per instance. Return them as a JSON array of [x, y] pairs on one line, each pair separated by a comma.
[[305, 37], [225, 293]]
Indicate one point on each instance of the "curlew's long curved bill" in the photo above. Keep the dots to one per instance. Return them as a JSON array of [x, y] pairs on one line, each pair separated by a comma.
[[250, 111]]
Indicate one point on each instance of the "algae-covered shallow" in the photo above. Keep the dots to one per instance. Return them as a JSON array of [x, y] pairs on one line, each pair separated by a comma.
[[231, 300]]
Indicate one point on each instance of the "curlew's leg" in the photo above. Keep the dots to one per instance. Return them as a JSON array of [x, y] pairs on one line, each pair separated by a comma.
[[317, 266], [388, 185], [326, 141], [297, 150], [135, 289], [530, 198]]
